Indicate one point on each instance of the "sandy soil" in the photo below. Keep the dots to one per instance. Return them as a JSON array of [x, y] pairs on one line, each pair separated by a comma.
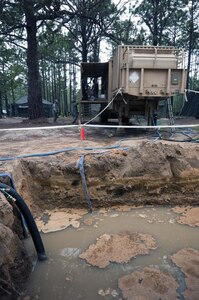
[[118, 248], [135, 169], [150, 284]]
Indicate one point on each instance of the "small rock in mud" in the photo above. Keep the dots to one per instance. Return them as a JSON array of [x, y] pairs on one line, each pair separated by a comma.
[[150, 221], [118, 248], [108, 291], [89, 221], [142, 216], [150, 284], [188, 261], [114, 215], [68, 279], [171, 221]]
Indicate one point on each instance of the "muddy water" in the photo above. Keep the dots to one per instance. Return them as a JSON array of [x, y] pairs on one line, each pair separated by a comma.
[[65, 276]]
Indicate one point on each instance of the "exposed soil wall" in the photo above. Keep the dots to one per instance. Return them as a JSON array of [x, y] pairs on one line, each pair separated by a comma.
[[14, 263], [145, 174]]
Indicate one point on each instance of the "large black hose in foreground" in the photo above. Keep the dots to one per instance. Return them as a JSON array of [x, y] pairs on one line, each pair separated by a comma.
[[25, 229], [5, 189]]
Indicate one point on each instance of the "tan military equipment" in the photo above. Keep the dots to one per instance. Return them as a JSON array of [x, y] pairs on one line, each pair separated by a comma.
[[137, 77]]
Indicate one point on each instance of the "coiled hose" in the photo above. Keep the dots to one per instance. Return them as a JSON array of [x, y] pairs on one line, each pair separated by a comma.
[[7, 190]]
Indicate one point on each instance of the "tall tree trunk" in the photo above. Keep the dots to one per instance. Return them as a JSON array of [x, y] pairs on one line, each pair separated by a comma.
[[74, 84], [48, 84], [191, 29], [5, 89], [1, 105], [55, 81], [155, 24], [52, 82], [70, 84], [43, 79], [96, 48], [6, 100], [34, 84], [65, 92]]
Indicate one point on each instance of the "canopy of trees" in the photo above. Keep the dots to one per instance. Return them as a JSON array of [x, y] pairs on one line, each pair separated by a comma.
[[42, 42]]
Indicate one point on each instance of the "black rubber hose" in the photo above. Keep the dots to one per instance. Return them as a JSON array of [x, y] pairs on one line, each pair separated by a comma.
[[28, 218], [25, 229]]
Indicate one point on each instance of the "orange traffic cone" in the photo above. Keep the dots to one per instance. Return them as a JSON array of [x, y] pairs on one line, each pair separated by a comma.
[[82, 133]]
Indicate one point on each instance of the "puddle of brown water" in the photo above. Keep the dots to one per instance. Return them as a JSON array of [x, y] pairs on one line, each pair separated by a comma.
[[65, 276]]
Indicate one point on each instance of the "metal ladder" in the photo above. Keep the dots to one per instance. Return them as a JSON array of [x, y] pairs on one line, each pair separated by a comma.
[[170, 113]]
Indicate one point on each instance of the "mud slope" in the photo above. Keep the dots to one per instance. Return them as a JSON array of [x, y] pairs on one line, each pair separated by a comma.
[[15, 266]]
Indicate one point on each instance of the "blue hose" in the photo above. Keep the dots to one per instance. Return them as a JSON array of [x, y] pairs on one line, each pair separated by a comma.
[[84, 184], [58, 151]]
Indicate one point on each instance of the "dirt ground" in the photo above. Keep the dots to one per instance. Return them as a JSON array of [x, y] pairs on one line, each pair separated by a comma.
[[135, 167]]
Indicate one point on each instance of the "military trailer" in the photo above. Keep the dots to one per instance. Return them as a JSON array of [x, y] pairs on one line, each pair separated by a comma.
[[134, 81]]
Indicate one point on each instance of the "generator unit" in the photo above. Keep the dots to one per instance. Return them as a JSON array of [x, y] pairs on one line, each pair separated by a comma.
[[134, 80]]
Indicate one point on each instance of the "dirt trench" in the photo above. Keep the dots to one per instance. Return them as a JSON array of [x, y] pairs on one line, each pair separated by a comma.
[[144, 173], [158, 173]]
